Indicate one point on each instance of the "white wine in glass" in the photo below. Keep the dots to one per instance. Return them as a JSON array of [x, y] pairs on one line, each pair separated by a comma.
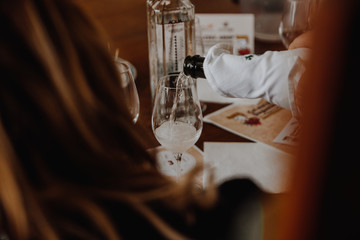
[[294, 21], [177, 118]]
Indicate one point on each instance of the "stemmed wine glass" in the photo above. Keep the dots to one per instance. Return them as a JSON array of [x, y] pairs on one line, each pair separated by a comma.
[[294, 21], [177, 119], [127, 83]]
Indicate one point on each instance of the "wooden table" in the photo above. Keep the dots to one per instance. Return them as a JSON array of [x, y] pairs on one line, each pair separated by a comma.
[[125, 23]]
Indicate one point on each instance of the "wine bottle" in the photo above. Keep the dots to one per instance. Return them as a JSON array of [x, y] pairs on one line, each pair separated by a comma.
[[171, 36], [193, 66]]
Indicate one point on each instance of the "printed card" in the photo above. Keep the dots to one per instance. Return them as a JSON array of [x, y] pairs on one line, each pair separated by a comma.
[[261, 122], [290, 134], [234, 29]]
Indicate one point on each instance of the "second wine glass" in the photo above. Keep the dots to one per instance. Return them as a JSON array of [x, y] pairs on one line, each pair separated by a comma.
[[128, 85], [177, 118], [294, 21]]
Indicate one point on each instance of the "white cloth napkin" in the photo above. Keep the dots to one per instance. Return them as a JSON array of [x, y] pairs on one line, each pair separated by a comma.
[[252, 76], [268, 167], [207, 94]]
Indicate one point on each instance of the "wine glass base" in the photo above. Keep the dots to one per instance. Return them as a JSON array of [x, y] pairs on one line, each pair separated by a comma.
[[167, 163]]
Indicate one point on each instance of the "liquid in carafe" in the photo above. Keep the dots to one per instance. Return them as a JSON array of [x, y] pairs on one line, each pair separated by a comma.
[[171, 37]]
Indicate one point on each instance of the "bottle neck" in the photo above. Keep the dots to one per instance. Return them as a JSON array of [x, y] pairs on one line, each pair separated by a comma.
[[194, 66]]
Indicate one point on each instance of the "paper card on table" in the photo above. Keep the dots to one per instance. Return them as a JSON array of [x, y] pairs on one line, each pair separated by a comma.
[[235, 29], [268, 167], [289, 134], [261, 122]]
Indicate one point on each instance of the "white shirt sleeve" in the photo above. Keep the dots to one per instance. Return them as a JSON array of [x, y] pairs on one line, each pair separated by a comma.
[[252, 76]]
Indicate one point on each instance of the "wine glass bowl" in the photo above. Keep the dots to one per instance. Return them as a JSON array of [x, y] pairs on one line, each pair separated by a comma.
[[127, 83], [177, 118], [294, 20]]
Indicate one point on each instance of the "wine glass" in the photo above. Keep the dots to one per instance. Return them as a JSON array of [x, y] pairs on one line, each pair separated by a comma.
[[177, 119], [127, 83], [294, 20]]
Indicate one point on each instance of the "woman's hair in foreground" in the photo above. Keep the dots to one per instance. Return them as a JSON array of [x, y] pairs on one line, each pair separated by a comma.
[[66, 138]]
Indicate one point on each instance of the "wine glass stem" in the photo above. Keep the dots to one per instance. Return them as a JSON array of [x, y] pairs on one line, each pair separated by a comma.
[[178, 165]]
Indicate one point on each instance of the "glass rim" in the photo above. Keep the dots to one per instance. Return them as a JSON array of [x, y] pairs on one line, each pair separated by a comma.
[[166, 78], [126, 69]]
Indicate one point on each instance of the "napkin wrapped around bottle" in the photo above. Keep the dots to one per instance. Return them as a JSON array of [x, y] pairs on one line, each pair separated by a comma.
[[253, 76]]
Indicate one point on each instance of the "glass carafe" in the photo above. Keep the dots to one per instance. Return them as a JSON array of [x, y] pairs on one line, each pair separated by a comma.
[[171, 36]]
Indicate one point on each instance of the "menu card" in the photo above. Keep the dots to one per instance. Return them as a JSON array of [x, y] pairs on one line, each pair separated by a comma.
[[261, 122], [290, 133], [235, 29], [266, 166]]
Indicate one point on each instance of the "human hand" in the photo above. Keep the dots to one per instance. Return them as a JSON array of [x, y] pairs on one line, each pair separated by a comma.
[[305, 40]]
